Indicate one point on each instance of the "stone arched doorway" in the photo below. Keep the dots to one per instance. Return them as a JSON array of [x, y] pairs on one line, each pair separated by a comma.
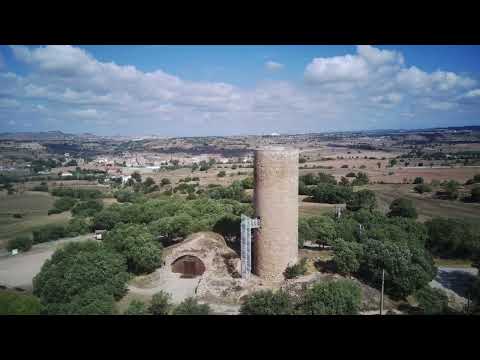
[[189, 266]]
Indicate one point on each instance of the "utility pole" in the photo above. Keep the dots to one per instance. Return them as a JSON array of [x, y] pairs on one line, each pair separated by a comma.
[[381, 294]]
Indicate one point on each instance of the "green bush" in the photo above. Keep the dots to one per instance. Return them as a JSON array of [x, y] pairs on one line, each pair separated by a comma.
[[222, 173], [19, 304], [364, 199], [331, 194], [82, 194], [418, 180], [87, 208], [136, 307], [137, 244], [77, 226], [453, 238], [296, 270], [76, 268], [267, 302], [407, 267], [48, 233], [342, 297], [21, 242], [432, 301], [347, 256], [94, 301], [161, 304], [423, 188], [403, 207], [360, 179], [475, 194], [190, 306], [64, 204], [316, 229]]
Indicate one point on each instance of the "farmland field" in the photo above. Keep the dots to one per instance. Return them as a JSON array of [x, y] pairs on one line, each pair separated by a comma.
[[33, 206], [427, 206]]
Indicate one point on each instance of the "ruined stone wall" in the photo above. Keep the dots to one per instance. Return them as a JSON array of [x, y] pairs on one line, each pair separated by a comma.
[[276, 203]]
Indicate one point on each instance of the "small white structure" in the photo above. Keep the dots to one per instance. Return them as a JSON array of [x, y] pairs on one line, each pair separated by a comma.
[[125, 178], [99, 234], [14, 251], [66, 173]]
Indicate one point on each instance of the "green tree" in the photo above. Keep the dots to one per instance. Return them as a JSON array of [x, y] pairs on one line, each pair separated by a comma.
[[342, 297], [137, 244], [475, 194], [363, 199], [418, 180], [19, 304], [407, 267], [94, 301], [331, 194], [450, 189], [161, 304], [347, 256], [76, 268], [137, 177], [360, 179], [21, 242], [190, 306], [393, 162], [403, 207], [423, 188], [87, 208], [165, 181], [136, 307], [267, 302], [432, 301]]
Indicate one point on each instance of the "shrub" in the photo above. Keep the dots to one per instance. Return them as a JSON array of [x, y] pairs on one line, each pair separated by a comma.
[[190, 306], [423, 188], [316, 229], [77, 226], [345, 166], [94, 301], [136, 243], [364, 199], [222, 173], [407, 267], [341, 297], [475, 194], [432, 301], [418, 180], [296, 270], [453, 237], [17, 216], [360, 179], [403, 207], [22, 243], [19, 304], [248, 183], [350, 174], [347, 256], [161, 304], [76, 268], [331, 194], [48, 233], [136, 307], [64, 204], [87, 208], [267, 302]]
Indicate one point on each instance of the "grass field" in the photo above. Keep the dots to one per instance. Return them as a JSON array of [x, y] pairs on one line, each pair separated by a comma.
[[33, 206], [427, 206]]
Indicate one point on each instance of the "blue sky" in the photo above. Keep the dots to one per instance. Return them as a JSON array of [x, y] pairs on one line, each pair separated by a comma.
[[230, 90]]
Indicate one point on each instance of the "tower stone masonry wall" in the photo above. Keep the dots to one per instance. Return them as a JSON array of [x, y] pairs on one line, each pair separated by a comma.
[[276, 203]]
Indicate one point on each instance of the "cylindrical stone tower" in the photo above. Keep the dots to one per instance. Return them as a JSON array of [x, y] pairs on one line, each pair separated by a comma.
[[276, 203]]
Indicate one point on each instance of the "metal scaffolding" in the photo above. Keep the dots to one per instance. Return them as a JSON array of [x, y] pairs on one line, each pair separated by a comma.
[[246, 227]]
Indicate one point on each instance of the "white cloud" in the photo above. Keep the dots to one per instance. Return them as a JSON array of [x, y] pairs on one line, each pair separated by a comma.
[[273, 66], [473, 93], [338, 92]]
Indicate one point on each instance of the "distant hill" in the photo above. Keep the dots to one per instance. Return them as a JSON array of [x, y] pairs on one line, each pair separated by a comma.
[[46, 136]]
